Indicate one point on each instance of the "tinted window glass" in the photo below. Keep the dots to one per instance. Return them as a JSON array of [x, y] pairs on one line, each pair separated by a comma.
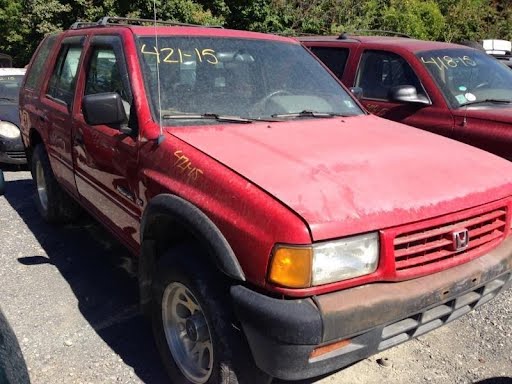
[[334, 58], [249, 78], [34, 76], [10, 88], [63, 80], [468, 76], [380, 71]]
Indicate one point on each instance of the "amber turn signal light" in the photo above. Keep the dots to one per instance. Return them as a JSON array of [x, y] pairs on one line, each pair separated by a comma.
[[325, 349], [291, 267]]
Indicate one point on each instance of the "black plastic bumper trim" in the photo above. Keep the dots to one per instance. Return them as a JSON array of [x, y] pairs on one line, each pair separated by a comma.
[[287, 321], [283, 333]]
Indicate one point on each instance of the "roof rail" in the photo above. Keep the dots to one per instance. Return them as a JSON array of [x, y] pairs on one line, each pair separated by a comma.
[[294, 34], [82, 24], [114, 20], [344, 35]]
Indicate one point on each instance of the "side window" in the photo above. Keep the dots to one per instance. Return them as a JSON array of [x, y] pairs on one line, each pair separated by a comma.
[[104, 75], [380, 71], [35, 74], [334, 58], [63, 81]]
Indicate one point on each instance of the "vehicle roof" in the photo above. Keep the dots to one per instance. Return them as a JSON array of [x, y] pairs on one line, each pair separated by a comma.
[[190, 31], [412, 45], [12, 71]]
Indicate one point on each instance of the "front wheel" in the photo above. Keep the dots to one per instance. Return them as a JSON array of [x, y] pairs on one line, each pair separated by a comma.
[[193, 326]]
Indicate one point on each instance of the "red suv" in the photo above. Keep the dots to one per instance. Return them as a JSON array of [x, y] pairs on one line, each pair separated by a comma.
[[280, 230], [449, 89]]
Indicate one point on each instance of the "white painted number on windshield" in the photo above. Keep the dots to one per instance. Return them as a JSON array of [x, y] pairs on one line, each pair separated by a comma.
[[446, 62]]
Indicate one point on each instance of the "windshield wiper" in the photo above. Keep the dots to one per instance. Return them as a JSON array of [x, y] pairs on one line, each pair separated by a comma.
[[493, 101], [7, 98], [208, 116], [306, 113]]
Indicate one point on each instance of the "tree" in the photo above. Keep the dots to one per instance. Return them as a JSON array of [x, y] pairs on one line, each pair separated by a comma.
[[467, 19], [12, 35], [420, 19]]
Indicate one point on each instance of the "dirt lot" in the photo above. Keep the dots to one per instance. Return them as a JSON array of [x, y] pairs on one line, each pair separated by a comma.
[[71, 300]]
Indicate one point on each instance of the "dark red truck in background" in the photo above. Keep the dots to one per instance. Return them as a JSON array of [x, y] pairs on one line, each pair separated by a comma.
[[452, 90], [279, 229]]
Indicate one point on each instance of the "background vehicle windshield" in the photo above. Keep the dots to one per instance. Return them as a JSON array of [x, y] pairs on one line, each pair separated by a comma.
[[236, 77], [466, 75], [10, 88]]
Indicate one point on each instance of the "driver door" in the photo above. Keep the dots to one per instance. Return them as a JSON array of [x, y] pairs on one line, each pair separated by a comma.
[[105, 158], [379, 71]]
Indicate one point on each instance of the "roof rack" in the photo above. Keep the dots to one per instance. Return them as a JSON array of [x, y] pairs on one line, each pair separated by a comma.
[[114, 20], [344, 35], [82, 24], [294, 34]]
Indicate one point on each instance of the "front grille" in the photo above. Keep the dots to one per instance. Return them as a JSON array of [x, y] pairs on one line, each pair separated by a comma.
[[416, 325], [435, 244], [18, 155]]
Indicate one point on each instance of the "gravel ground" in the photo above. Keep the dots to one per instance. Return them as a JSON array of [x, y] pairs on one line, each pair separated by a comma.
[[72, 301]]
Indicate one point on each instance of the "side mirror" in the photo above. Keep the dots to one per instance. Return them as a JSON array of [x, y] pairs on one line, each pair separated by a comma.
[[407, 94], [104, 109], [357, 92], [2, 183]]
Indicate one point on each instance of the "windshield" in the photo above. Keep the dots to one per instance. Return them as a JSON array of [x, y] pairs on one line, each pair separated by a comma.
[[202, 78], [10, 88], [467, 76]]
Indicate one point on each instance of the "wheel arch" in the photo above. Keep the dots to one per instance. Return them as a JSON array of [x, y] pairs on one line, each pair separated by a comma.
[[34, 138], [168, 220]]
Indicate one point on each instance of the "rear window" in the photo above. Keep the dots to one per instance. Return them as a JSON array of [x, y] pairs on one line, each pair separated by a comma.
[[35, 74], [10, 87]]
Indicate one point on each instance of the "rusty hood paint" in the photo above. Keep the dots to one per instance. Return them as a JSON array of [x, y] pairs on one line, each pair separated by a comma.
[[356, 174]]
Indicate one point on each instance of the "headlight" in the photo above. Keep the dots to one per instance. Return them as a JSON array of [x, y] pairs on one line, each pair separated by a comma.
[[323, 263], [9, 130]]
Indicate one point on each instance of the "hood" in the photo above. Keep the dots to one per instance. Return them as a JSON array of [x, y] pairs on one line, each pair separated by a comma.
[[500, 113], [356, 174], [10, 112]]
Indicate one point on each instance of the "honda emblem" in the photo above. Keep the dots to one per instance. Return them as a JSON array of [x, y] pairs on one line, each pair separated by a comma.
[[460, 240]]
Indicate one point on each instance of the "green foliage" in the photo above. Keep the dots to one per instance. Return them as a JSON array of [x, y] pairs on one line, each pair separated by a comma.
[[185, 11], [468, 19], [10, 14], [421, 19], [23, 24]]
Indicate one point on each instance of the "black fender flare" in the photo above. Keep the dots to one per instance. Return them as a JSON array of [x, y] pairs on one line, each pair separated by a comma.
[[195, 222]]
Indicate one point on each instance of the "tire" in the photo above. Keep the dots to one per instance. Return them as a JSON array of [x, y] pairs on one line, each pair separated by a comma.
[[54, 205], [191, 312]]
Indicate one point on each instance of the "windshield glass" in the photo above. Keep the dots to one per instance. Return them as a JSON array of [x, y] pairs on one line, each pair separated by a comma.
[[468, 76], [10, 88], [252, 79]]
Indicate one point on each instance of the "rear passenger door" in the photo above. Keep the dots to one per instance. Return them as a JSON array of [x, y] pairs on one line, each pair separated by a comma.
[[105, 158], [379, 71], [57, 106]]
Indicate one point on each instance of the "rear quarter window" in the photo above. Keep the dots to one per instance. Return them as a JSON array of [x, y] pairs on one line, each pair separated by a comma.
[[35, 74], [334, 58]]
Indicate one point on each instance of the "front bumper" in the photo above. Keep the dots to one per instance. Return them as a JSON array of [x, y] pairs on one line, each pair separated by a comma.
[[282, 334], [12, 152]]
